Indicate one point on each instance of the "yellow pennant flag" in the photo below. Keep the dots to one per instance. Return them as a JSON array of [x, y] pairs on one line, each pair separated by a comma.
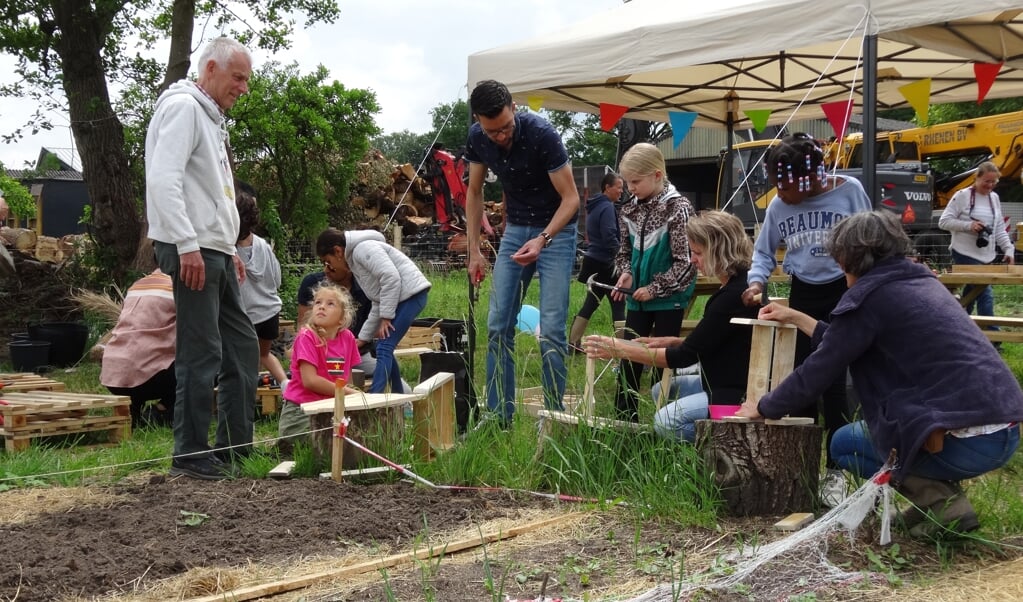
[[534, 102], [918, 95]]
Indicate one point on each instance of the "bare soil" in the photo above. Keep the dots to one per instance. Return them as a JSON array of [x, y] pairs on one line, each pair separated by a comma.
[[166, 538]]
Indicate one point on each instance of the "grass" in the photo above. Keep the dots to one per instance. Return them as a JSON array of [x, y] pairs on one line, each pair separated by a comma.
[[656, 477]]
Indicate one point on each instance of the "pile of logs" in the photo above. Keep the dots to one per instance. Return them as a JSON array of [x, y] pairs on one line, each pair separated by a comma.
[[383, 189], [41, 248]]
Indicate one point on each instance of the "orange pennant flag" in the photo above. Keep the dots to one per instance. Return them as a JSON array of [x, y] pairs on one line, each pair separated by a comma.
[[610, 114], [985, 74], [838, 114], [918, 95], [534, 102]]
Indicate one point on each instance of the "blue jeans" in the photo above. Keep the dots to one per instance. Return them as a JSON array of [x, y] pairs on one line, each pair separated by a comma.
[[986, 301], [677, 420], [554, 267], [960, 459], [386, 370]]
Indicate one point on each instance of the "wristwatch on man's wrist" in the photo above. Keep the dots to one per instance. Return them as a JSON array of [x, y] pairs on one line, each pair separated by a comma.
[[547, 240]]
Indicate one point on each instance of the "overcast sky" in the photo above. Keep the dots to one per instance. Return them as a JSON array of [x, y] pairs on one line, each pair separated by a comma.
[[412, 54]]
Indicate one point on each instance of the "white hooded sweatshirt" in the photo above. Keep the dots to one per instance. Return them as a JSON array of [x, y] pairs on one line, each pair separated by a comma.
[[189, 184]]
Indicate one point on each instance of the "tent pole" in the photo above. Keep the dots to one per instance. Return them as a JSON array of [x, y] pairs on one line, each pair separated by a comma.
[[870, 118]]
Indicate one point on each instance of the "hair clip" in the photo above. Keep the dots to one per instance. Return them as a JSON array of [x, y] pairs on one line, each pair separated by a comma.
[[789, 166], [822, 176], [781, 184]]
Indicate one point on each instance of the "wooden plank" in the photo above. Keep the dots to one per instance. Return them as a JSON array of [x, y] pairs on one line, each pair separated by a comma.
[[756, 322], [998, 321], [794, 521], [434, 415], [360, 401], [412, 351], [286, 585], [282, 470], [960, 278], [592, 421], [759, 381], [784, 355], [1001, 268]]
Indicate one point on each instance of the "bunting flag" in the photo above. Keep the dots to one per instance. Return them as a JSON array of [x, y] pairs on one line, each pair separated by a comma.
[[610, 114], [534, 102], [681, 123], [985, 74], [838, 114], [758, 117], [918, 95]]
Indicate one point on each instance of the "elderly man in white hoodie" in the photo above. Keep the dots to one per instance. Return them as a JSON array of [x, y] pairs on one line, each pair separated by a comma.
[[193, 221]]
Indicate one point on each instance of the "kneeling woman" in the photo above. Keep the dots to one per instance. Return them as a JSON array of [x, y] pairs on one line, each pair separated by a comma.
[[719, 247], [932, 387]]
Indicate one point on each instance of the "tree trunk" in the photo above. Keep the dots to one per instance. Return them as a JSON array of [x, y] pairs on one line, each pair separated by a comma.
[[762, 469], [116, 225], [182, 26]]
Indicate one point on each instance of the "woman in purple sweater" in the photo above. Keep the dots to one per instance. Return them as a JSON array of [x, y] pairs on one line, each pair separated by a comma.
[[932, 388]]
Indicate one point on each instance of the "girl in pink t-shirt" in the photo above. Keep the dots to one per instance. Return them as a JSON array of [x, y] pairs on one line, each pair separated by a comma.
[[325, 350]]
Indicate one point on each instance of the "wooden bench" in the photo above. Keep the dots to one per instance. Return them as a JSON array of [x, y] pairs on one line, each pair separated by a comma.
[[1000, 336], [383, 416], [980, 276]]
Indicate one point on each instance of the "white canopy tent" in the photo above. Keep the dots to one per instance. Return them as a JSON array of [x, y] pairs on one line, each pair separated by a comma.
[[655, 56]]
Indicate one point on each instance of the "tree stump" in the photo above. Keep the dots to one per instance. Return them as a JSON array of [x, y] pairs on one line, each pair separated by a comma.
[[379, 429], [762, 469]]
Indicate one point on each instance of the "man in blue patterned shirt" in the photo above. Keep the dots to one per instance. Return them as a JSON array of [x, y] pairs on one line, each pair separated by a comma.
[[541, 203]]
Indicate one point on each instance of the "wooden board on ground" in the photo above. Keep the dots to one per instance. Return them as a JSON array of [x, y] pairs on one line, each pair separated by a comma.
[[592, 421], [794, 522], [28, 381], [284, 470], [33, 414]]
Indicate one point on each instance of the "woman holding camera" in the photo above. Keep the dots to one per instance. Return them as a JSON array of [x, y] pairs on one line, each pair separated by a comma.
[[974, 217]]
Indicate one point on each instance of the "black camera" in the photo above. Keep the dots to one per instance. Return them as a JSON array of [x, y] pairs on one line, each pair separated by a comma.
[[982, 236]]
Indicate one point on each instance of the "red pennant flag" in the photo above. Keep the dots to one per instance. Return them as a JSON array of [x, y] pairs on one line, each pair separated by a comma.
[[838, 114], [985, 74], [610, 114]]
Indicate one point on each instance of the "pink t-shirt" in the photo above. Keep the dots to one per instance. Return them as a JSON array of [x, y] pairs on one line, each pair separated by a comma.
[[336, 358]]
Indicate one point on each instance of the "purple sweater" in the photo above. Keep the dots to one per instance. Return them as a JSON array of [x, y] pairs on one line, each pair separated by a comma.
[[918, 362]]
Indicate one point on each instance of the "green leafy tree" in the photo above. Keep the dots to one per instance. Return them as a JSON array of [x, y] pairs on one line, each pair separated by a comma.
[[451, 124], [298, 139], [69, 51], [17, 197], [403, 146], [585, 141]]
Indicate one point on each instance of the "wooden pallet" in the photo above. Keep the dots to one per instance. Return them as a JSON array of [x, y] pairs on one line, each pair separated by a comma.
[[29, 415], [27, 381], [268, 400], [421, 336]]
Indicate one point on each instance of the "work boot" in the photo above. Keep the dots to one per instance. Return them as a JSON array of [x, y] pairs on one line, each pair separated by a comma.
[[935, 505], [575, 334]]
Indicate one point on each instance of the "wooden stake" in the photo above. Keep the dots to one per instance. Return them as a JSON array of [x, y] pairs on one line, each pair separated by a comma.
[[286, 585], [337, 452]]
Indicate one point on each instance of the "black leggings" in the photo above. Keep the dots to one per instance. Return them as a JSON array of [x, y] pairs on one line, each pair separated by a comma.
[[818, 301], [604, 274], [665, 323]]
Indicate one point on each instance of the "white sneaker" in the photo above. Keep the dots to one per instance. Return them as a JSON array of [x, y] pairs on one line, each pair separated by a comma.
[[833, 488]]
